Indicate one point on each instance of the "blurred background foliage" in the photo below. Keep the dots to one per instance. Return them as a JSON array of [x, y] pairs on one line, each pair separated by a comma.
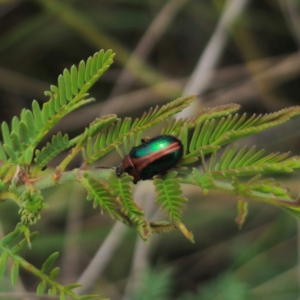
[[245, 52]]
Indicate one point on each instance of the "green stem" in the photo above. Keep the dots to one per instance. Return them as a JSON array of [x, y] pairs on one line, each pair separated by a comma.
[[255, 195], [32, 269], [66, 177]]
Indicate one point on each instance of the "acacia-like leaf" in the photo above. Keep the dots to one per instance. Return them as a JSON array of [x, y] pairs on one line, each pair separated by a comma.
[[162, 226], [32, 127], [62, 296], [11, 153], [47, 265], [58, 144], [2, 153], [6, 135], [11, 237], [215, 112], [41, 288], [52, 291], [116, 133], [73, 286], [23, 243], [99, 192], [233, 127], [169, 195], [121, 189], [28, 116], [28, 155], [3, 263], [17, 145], [247, 162], [205, 181], [54, 273], [37, 114], [95, 127], [14, 272]]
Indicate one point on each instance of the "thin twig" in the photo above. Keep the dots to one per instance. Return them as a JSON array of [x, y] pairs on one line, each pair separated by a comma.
[[78, 22], [140, 256], [291, 12], [155, 31], [208, 60], [101, 259], [71, 252], [246, 88]]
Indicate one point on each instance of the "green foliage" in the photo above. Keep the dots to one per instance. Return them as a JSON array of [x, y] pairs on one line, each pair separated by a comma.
[[169, 195], [157, 284], [123, 130], [247, 162], [224, 288], [20, 141], [162, 226], [32, 204], [154, 284], [99, 192], [121, 189], [47, 275], [243, 172], [58, 144]]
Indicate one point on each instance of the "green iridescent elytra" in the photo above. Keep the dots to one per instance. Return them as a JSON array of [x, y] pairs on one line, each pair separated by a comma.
[[152, 157]]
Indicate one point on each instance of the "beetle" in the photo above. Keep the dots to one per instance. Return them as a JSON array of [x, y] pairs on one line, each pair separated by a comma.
[[152, 157]]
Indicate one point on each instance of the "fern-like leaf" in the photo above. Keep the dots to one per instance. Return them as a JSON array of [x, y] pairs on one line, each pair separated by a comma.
[[98, 191], [3, 186], [247, 162], [71, 93], [24, 242], [95, 127], [15, 272], [205, 181], [11, 237], [169, 195], [41, 288], [174, 126], [58, 144], [211, 133], [121, 189], [49, 262], [106, 141], [115, 135], [215, 112], [234, 127], [162, 226], [3, 263], [269, 186]]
